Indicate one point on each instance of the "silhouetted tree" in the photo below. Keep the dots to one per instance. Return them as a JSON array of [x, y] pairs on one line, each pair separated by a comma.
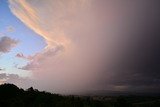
[[12, 96]]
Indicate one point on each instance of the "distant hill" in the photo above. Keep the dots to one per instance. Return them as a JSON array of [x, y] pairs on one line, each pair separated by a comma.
[[120, 93], [12, 96]]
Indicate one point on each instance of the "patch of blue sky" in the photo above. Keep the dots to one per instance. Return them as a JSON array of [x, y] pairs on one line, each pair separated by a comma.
[[29, 42]]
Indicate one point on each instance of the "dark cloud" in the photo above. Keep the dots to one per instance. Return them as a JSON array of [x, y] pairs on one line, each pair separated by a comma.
[[21, 55], [6, 44], [138, 64]]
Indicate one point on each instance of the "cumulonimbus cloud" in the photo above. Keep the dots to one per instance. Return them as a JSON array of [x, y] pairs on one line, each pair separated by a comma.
[[75, 45], [86, 41]]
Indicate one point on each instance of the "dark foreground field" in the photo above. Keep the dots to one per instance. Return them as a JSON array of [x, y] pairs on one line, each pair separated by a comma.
[[12, 96]]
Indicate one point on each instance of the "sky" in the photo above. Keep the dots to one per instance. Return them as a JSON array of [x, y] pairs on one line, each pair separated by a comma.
[[12, 28], [71, 46]]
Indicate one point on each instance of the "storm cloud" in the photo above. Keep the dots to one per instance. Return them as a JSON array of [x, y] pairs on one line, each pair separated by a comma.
[[94, 44]]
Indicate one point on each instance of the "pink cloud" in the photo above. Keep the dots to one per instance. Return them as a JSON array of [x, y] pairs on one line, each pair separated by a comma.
[[6, 44], [84, 37]]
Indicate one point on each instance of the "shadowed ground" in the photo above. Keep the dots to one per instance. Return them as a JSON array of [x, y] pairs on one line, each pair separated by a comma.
[[12, 96]]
